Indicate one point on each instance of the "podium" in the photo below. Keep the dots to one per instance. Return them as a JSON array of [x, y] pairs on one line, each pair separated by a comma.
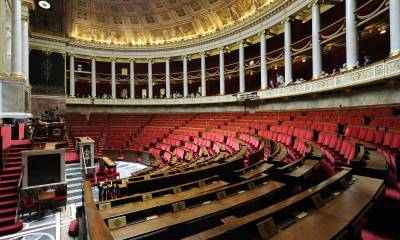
[[85, 148]]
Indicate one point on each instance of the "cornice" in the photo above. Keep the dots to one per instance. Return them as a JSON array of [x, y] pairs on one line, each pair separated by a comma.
[[243, 29]]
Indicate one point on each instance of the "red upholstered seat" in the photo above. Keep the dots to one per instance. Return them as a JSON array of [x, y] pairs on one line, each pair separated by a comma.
[[73, 229]]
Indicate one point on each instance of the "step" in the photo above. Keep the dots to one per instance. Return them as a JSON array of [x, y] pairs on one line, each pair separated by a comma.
[[8, 182], [4, 221], [12, 228], [12, 164], [8, 195], [12, 170], [8, 189], [8, 203], [74, 180], [12, 157], [9, 176], [10, 210]]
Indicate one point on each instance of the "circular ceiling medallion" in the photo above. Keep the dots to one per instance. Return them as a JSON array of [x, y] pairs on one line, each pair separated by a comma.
[[44, 4]]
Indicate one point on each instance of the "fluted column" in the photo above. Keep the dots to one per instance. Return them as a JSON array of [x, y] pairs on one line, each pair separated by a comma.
[[221, 72], [203, 74], [167, 79], [351, 35], [316, 45], [242, 83], [113, 82], [132, 77], [288, 52], [394, 27], [263, 60], [16, 51], [150, 77], [3, 51], [185, 77], [72, 75], [94, 94]]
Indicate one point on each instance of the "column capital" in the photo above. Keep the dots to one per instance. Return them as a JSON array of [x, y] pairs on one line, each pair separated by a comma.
[[203, 53], [287, 20], [313, 3], [184, 57], [167, 59], [30, 4], [113, 59], [93, 58], [241, 41], [72, 55], [262, 33], [132, 60], [221, 49], [150, 60]]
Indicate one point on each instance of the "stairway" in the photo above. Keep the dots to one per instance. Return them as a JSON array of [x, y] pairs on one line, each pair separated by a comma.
[[9, 179], [74, 183]]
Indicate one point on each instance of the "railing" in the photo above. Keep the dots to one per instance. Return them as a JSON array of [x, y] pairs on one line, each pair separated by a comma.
[[373, 73], [96, 228], [19, 188]]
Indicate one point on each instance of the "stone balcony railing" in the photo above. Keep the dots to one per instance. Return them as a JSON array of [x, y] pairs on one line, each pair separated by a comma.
[[373, 73]]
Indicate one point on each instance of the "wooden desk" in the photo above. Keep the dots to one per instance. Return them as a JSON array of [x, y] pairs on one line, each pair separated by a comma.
[[173, 219], [332, 219], [326, 222], [304, 169], [256, 171], [108, 162], [316, 226], [169, 199], [232, 223]]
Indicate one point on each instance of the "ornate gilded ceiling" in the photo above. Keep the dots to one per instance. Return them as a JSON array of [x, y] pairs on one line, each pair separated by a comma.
[[146, 22]]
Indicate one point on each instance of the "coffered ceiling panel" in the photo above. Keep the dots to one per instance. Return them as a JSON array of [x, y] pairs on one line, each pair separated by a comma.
[[143, 22]]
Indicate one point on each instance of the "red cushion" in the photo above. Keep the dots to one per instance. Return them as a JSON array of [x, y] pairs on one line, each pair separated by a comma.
[[73, 228]]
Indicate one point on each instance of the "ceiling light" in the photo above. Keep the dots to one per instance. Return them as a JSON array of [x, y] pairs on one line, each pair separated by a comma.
[[304, 60], [44, 4], [383, 31]]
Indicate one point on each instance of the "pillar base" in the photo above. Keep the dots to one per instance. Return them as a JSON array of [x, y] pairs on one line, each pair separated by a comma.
[[14, 98], [349, 68], [394, 53], [263, 88]]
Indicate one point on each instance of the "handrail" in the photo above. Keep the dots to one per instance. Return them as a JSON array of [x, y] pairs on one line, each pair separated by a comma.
[[96, 228], [17, 210]]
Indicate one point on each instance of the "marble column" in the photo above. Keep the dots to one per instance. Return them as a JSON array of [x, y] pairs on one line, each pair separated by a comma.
[[351, 35], [316, 45], [3, 51], [221, 72], [16, 51], [132, 77], [167, 79], [150, 77], [394, 27], [203, 74], [263, 60], [25, 48], [72, 75], [93, 64], [185, 77], [113, 81], [288, 52], [242, 83]]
